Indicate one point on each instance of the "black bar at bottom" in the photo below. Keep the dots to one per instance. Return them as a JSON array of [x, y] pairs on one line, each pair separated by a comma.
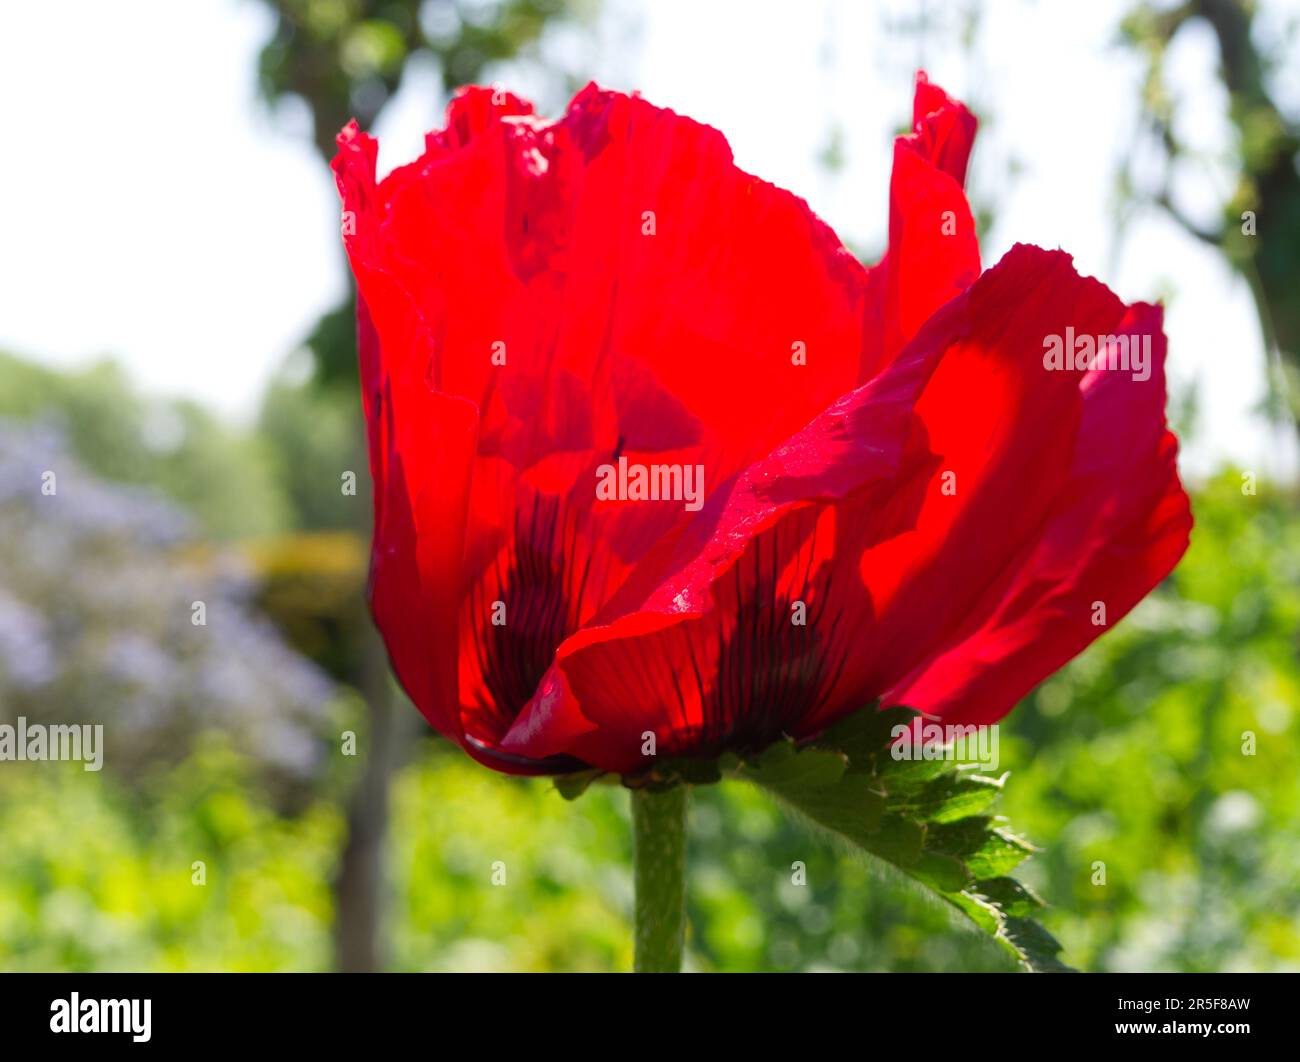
[[1001, 1013]]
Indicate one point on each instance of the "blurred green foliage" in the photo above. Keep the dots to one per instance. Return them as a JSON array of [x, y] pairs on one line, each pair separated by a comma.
[[1131, 757], [91, 879], [316, 435], [313, 585], [226, 478], [1130, 760], [345, 58], [1259, 218]]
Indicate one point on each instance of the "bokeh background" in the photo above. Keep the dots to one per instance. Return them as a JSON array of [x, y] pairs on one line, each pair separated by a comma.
[[176, 340]]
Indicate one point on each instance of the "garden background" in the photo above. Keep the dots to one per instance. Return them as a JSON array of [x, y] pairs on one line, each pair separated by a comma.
[[178, 345]]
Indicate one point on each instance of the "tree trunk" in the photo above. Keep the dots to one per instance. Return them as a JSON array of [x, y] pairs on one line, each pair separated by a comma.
[[359, 888]]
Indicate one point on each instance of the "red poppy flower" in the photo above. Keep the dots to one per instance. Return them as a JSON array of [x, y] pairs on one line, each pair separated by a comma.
[[654, 454]]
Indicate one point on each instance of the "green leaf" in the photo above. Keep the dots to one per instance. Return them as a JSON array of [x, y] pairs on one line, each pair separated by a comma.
[[1012, 896], [942, 873], [572, 786], [864, 735], [988, 850], [954, 796], [816, 784], [692, 772], [783, 765], [928, 817], [1035, 946]]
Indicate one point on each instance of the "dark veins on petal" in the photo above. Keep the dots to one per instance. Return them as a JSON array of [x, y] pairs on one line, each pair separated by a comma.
[[772, 672], [541, 582]]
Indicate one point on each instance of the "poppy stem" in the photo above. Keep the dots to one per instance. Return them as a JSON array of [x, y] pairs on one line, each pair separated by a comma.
[[659, 837]]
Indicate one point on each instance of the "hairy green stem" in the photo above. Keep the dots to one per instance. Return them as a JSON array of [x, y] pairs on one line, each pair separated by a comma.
[[659, 833]]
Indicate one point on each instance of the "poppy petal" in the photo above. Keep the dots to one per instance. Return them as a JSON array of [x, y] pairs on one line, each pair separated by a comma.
[[933, 250], [908, 563], [1120, 525]]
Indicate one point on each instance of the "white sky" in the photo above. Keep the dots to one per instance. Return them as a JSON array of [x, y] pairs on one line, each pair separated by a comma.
[[154, 210]]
